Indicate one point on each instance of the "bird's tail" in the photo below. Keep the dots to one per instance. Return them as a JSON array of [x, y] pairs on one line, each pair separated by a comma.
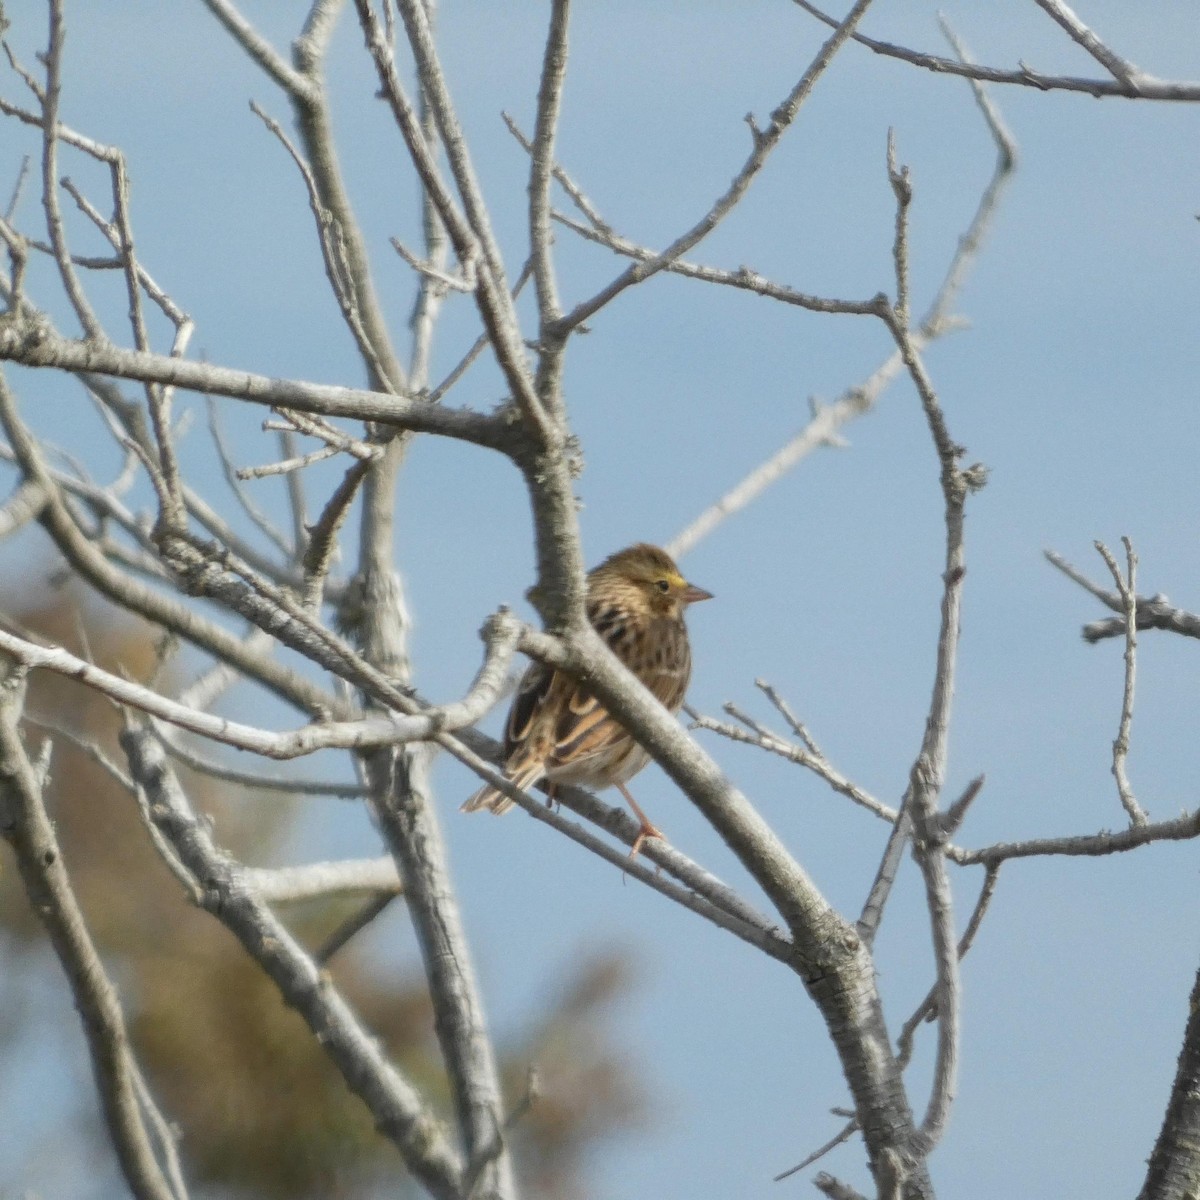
[[494, 800]]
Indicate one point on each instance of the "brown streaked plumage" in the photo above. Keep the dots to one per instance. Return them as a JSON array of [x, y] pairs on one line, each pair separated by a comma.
[[557, 730]]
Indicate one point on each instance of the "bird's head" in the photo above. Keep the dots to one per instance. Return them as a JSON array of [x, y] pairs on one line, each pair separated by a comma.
[[653, 576]]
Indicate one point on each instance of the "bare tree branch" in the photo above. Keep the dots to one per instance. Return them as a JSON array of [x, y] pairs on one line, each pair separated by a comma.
[[928, 772], [469, 229], [764, 141], [1142, 87], [927, 1009], [334, 252], [1090, 845], [1127, 589], [701, 892], [554, 69], [349, 877], [742, 278], [304, 84], [258, 48], [26, 826], [1172, 1165], [1153, 612], [54, 224], [163, 552], [135, 596], [257, 782], [820, 934], [808, 756], [827, 420], [32, 347], [1121, 70], [393, 1102], [344, 735]]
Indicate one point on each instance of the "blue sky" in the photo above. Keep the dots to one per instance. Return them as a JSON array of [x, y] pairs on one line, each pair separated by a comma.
[[1075, 383]]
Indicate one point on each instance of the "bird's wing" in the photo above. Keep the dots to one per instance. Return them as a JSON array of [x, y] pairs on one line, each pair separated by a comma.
[[584, 727], [523, 749], [532, 694], [581, 728]]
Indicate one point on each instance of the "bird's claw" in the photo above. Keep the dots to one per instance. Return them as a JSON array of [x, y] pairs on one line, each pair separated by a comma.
[[647, 831]]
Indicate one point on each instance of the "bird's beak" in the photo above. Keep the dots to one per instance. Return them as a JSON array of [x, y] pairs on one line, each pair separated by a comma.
[[692, 594]]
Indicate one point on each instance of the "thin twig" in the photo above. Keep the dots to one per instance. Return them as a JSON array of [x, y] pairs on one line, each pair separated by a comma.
[[468, 227], [950, 820], [325, 431], [297, 501], [541, 159], [479, 345], [1127, 588], [258, 48], [898, 176], [354, 925], [166, 1136], [1144, 87], [1088, 845], [290, 466], [574, 192], [928, 1007], [255, 782], [10, 209], [928, 772], [804, 756], [1153, 612], [835, 1189], [54, 223], [764, 142], [871, 916], [465, 282], [840, 1138], [741, 278], [234, 478], [823, 430], [118, 237], [1121, 70], [334, 254], [322, 536], [431, 293]]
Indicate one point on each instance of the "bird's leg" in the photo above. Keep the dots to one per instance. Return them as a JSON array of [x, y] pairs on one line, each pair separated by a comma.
[[647, 830]]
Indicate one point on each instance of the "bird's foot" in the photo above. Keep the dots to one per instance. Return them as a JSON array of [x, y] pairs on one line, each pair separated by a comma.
[[647, 831]]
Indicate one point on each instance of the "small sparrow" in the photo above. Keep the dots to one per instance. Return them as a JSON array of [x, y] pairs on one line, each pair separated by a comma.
[[557, 730]]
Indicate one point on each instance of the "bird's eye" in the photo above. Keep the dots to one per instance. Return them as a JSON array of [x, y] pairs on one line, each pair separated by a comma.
[[664, 585]]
